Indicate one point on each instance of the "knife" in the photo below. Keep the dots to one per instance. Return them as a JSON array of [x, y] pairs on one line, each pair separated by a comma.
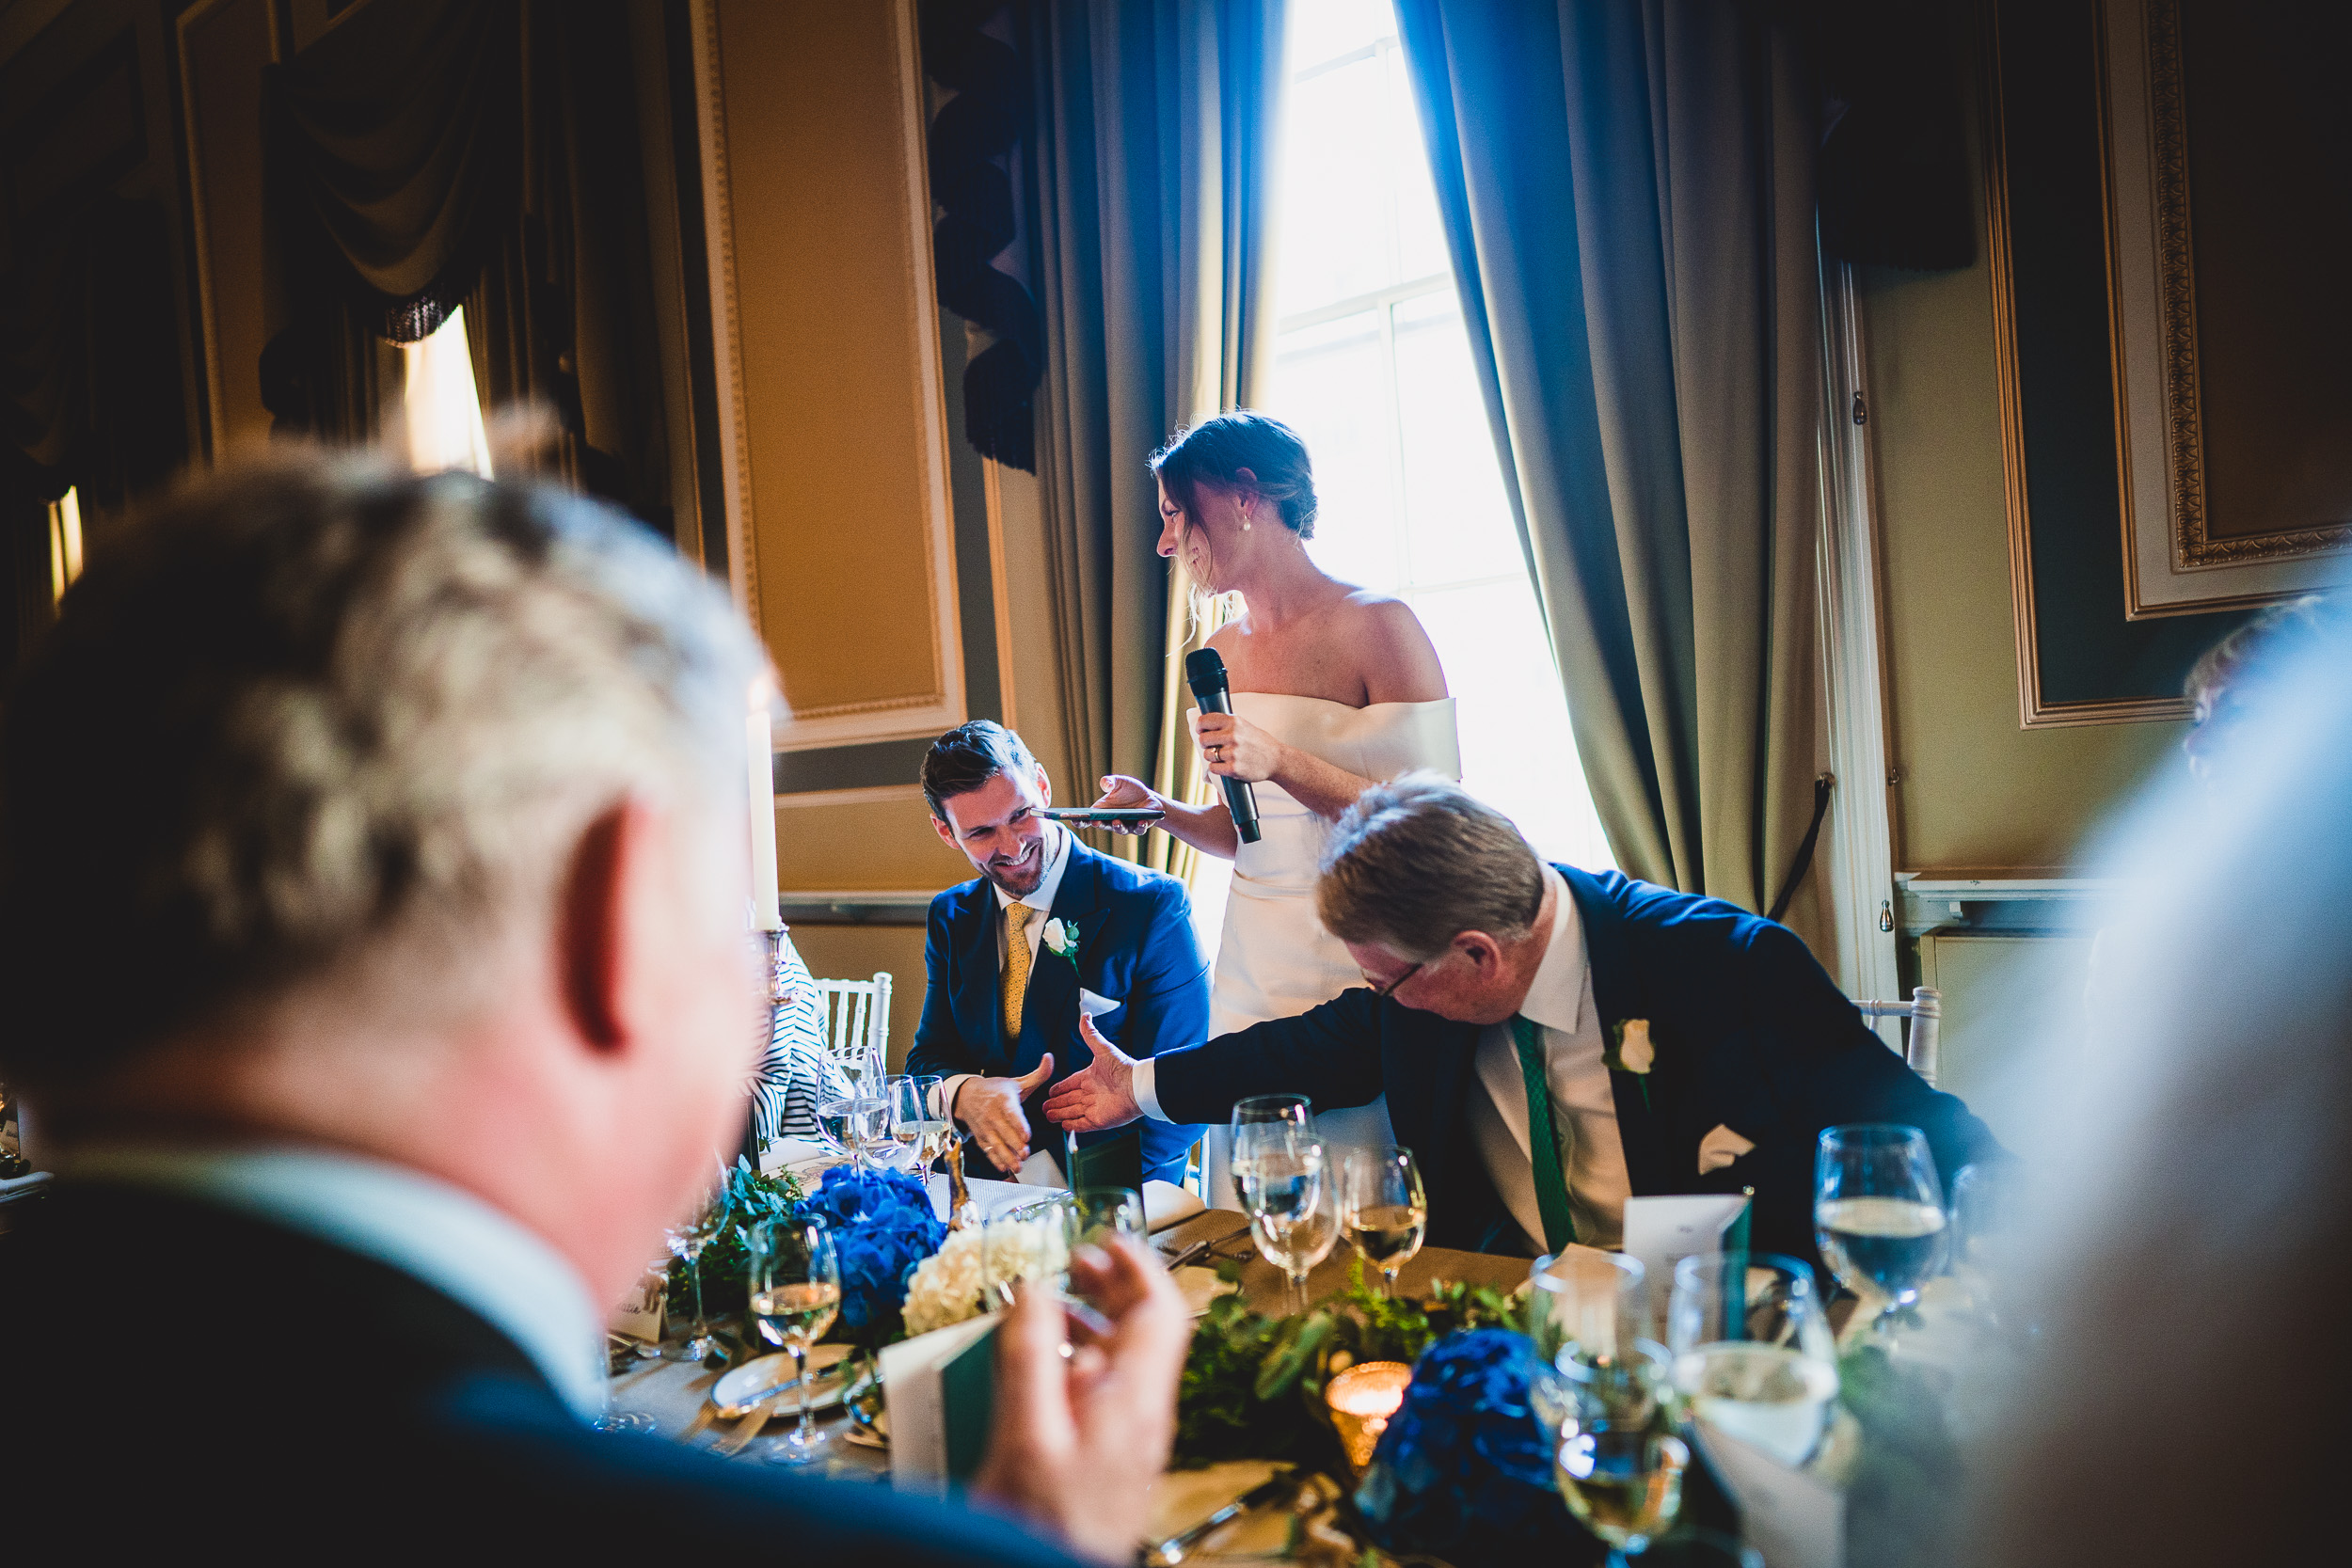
[[1264, 1495]]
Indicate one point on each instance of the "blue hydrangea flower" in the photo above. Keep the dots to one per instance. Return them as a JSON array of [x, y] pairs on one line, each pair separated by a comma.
[[882, 1225], [1464, 1470]]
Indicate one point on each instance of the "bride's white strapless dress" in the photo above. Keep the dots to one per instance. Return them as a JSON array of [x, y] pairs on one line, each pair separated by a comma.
[[1275, 959]]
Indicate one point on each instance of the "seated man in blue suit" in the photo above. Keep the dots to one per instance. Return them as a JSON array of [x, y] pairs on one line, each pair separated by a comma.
[[1050, 933], [1657, 1041]]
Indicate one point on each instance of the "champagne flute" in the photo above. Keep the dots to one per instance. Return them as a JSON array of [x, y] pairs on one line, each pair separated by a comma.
[[1264, 1116], [794, 1294], [1753, 1350], [1878, 1214], [686, 1242], [1291, 1194], [1619, 1463], [1384, 1208]]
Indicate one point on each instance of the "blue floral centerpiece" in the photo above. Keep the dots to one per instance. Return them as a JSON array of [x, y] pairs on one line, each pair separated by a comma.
[[1464, 1470], [882, 1227]]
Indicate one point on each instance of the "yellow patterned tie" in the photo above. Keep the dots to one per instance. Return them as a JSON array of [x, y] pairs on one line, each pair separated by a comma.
[[1016, 976]]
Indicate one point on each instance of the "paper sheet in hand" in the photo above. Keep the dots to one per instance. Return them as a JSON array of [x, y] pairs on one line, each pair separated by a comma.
[[928, 1385], [1662, 1231], [1796, 1520]]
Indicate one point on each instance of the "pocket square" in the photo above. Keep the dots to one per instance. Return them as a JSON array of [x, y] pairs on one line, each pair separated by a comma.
[[1721, 1147], [1091, 1006]]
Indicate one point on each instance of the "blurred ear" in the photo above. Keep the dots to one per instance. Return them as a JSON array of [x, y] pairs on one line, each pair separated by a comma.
[[606, 923], [1482, 950]]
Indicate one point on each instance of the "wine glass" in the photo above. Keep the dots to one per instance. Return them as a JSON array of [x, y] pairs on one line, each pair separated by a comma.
[[1290, 1193], [1877, 1213], [916, 1131], [1265, 1114], [1752, 1350], [794, 1293], [1098, 1213], [1028, 1243], [1384, 1208], [1619, 1463], [686, 1242]]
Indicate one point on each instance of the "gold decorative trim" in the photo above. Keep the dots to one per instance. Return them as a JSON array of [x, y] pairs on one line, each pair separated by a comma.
[[871, 795], [2033, 711], [727, 331], [873, 704]]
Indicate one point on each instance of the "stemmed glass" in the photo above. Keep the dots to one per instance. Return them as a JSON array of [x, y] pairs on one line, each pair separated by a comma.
[[686, 1243], [1619, 1464], [853, 1125], [1290, 1193], [1263, 1115], [794, 1288], [919, 1128], [1752, 1350], [1586, 1303], [1030, 1243], [1384, 1208], [1878, 1214]]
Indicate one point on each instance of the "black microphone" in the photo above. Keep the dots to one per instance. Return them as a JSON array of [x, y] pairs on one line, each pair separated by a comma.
[[1204, 671]]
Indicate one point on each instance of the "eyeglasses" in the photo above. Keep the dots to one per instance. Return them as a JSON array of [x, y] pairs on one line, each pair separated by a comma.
[[1381, 993]]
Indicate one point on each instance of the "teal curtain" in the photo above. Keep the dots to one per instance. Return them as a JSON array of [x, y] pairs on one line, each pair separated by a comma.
[[1627, 189], [1150, 176]]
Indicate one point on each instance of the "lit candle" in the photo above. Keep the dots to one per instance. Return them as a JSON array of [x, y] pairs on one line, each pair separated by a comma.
[[760, 742], [1362, 1399]]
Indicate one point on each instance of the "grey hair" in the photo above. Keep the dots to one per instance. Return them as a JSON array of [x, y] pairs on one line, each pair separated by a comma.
[[308, 704], [1418, 861]]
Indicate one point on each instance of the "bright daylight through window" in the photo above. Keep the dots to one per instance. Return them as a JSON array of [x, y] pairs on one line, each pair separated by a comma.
[[1373, 368]]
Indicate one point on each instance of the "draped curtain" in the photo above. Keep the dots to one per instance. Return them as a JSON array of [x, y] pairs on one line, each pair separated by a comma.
[[1151, 169], [1627, 196], [475, 152]]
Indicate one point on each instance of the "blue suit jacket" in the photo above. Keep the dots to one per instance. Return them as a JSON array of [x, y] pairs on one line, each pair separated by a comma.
[[1750, 1033], [1135, 947]]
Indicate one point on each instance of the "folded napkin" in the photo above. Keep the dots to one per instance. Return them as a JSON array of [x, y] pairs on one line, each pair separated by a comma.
[[1165, 1204]]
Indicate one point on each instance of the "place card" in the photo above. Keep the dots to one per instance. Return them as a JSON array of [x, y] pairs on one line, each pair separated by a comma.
[[639, 1315], [1663, 1231], [940, 1388], [1795, 1519]]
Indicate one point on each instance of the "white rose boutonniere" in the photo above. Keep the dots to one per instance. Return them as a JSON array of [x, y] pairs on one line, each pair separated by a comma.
[[1061, 939], [1631, 1051]]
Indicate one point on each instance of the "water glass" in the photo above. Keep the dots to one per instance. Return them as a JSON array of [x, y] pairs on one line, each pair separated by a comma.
[[686, 1242], [1588, 1305], [1877, 1213], [853, 1127], [1290, 1193], [1268, 1121], [793, 1290], [1384, 1208], [918, 1131], [1753, 1354]]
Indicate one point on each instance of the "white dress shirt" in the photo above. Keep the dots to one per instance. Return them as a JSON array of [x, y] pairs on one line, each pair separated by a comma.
[[1583, 1103], [426, 1229], [1040, 898]]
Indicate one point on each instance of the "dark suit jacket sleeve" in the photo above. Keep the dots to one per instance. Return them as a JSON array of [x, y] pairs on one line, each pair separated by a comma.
[[939, 1048], [1330, 1053], [1168, 1003], [1831, 1068]]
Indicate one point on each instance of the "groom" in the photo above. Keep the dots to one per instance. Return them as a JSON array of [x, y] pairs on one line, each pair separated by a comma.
[[1655, 1043], [1049, 933]]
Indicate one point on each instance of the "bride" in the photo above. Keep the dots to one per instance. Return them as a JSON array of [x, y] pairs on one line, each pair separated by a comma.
[[1335, 688]]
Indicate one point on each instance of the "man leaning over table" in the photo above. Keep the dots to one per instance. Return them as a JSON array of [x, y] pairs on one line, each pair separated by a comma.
[[375, 856], [1656, 1042], [1003, 997]]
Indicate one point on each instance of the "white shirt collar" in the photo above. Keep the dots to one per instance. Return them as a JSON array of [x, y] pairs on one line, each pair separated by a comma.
[[436, 1233], [1057, 859], [1555, 1000]]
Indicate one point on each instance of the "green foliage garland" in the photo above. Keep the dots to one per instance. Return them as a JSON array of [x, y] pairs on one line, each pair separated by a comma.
[[743, 1199]]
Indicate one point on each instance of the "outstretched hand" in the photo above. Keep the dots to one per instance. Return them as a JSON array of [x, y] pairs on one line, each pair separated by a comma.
[[1100, 1096], [991, 1107]]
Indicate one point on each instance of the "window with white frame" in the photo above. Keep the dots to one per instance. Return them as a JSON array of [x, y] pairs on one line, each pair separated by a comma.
[[1373, 368]]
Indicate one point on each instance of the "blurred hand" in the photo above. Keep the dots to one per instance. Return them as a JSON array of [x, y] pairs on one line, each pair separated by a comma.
[[1077, 1443], [1236, 749], [991, 1107], [1101, 1096], [1121, 791]]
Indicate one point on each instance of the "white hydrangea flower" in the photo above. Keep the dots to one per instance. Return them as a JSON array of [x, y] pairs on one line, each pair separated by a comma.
[[947, 1285]]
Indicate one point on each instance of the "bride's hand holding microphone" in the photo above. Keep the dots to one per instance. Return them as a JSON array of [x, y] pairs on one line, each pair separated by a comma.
[[1234, 747]]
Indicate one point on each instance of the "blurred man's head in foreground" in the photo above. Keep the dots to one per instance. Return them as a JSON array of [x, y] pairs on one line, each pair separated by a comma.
[[391, 813]]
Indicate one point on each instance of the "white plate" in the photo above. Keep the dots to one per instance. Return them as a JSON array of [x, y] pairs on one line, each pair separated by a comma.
[[826, 1368]]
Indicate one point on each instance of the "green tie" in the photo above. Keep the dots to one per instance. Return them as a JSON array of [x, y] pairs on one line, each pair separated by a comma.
[[1543, 1137]]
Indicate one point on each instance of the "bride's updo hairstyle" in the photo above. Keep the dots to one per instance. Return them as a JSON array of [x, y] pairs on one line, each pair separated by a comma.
[[1216, 450]]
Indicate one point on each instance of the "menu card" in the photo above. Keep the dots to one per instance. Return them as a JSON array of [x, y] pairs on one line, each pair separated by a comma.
[[1663, 1231], [941, 1390]]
